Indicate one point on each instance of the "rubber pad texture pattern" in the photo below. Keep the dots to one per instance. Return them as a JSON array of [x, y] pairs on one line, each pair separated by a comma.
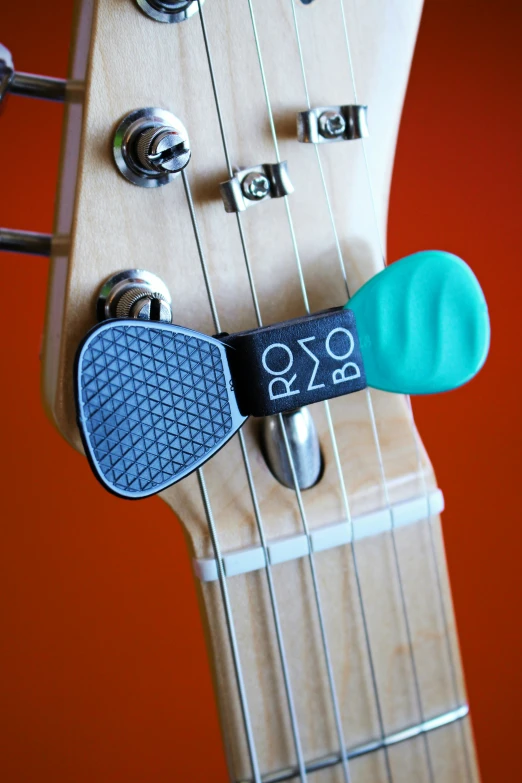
[[153, 403]]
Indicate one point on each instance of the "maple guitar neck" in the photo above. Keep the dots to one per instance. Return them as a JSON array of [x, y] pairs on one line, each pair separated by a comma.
[[352, 645]]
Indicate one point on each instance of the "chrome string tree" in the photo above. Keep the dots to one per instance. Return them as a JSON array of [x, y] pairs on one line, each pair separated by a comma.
[[256, 184], [327, 124]]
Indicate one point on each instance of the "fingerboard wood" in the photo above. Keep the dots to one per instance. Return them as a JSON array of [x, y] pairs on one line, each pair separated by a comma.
[[451, 747]]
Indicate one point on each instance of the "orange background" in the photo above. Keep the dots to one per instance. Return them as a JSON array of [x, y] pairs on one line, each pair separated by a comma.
[[103, 671]]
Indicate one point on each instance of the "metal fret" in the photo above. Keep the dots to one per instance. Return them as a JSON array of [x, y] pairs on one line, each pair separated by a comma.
[[411, 732]]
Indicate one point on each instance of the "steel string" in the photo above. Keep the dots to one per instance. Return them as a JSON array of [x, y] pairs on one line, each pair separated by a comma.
[[374, 426], [453, 668], [419, 464], [339, 467], [329, 421], [297, 258], [401, 585], [438, 578], [245, 713], [375, 432], [285, 438], [257, 511]]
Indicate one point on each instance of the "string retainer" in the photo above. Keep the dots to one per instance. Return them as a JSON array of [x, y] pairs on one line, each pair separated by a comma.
[[256, 184], [326, 124]]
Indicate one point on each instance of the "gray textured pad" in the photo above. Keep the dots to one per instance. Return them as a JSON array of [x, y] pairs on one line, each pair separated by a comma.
[[154, 402]]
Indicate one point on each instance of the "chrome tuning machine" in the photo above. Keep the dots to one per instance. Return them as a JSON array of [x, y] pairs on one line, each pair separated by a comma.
[[32, 86], [50, 89], [134, 293], [169, 11]]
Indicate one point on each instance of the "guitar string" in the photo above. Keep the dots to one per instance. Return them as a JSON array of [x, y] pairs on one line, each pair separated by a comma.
[[453, 668], [374, 427], [380, 455], [414, 435], [402, 594], [326, 404], [251, 279], [245, 713], [287, 445], [328, 415], [375, 687], [298, 496], [253, 493], [438, 578]]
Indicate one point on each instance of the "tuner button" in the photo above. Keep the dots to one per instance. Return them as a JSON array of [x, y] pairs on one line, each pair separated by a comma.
[[31, 85], [6, 70]]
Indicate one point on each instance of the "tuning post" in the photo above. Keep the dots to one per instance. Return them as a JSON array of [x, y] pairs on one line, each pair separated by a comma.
[[151, 147], [259, 183], [134, 293], [332, 123], [169, 10], [33, 86]]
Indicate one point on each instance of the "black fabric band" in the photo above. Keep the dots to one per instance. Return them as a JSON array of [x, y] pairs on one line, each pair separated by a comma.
[[284, 366]]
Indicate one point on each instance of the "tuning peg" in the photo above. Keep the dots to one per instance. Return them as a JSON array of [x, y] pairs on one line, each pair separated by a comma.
[[423, 324], [33, 86], [12, 241]]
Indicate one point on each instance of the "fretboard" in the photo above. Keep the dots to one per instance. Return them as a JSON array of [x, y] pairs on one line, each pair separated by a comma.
[[395, 721]]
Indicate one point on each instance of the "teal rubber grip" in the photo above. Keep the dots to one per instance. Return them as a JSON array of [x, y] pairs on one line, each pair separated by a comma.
[[423, 324]]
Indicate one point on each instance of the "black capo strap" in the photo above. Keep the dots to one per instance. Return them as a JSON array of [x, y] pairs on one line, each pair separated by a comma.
[[284, 366]]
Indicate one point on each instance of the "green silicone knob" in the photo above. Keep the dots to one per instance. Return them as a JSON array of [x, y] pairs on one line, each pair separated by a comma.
[[423, 324]]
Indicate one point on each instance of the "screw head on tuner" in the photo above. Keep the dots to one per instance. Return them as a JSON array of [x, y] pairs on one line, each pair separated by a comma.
[[423, 324]]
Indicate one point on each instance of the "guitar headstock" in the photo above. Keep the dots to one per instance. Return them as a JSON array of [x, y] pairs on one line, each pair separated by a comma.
[[220, 107], [136, 62]]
